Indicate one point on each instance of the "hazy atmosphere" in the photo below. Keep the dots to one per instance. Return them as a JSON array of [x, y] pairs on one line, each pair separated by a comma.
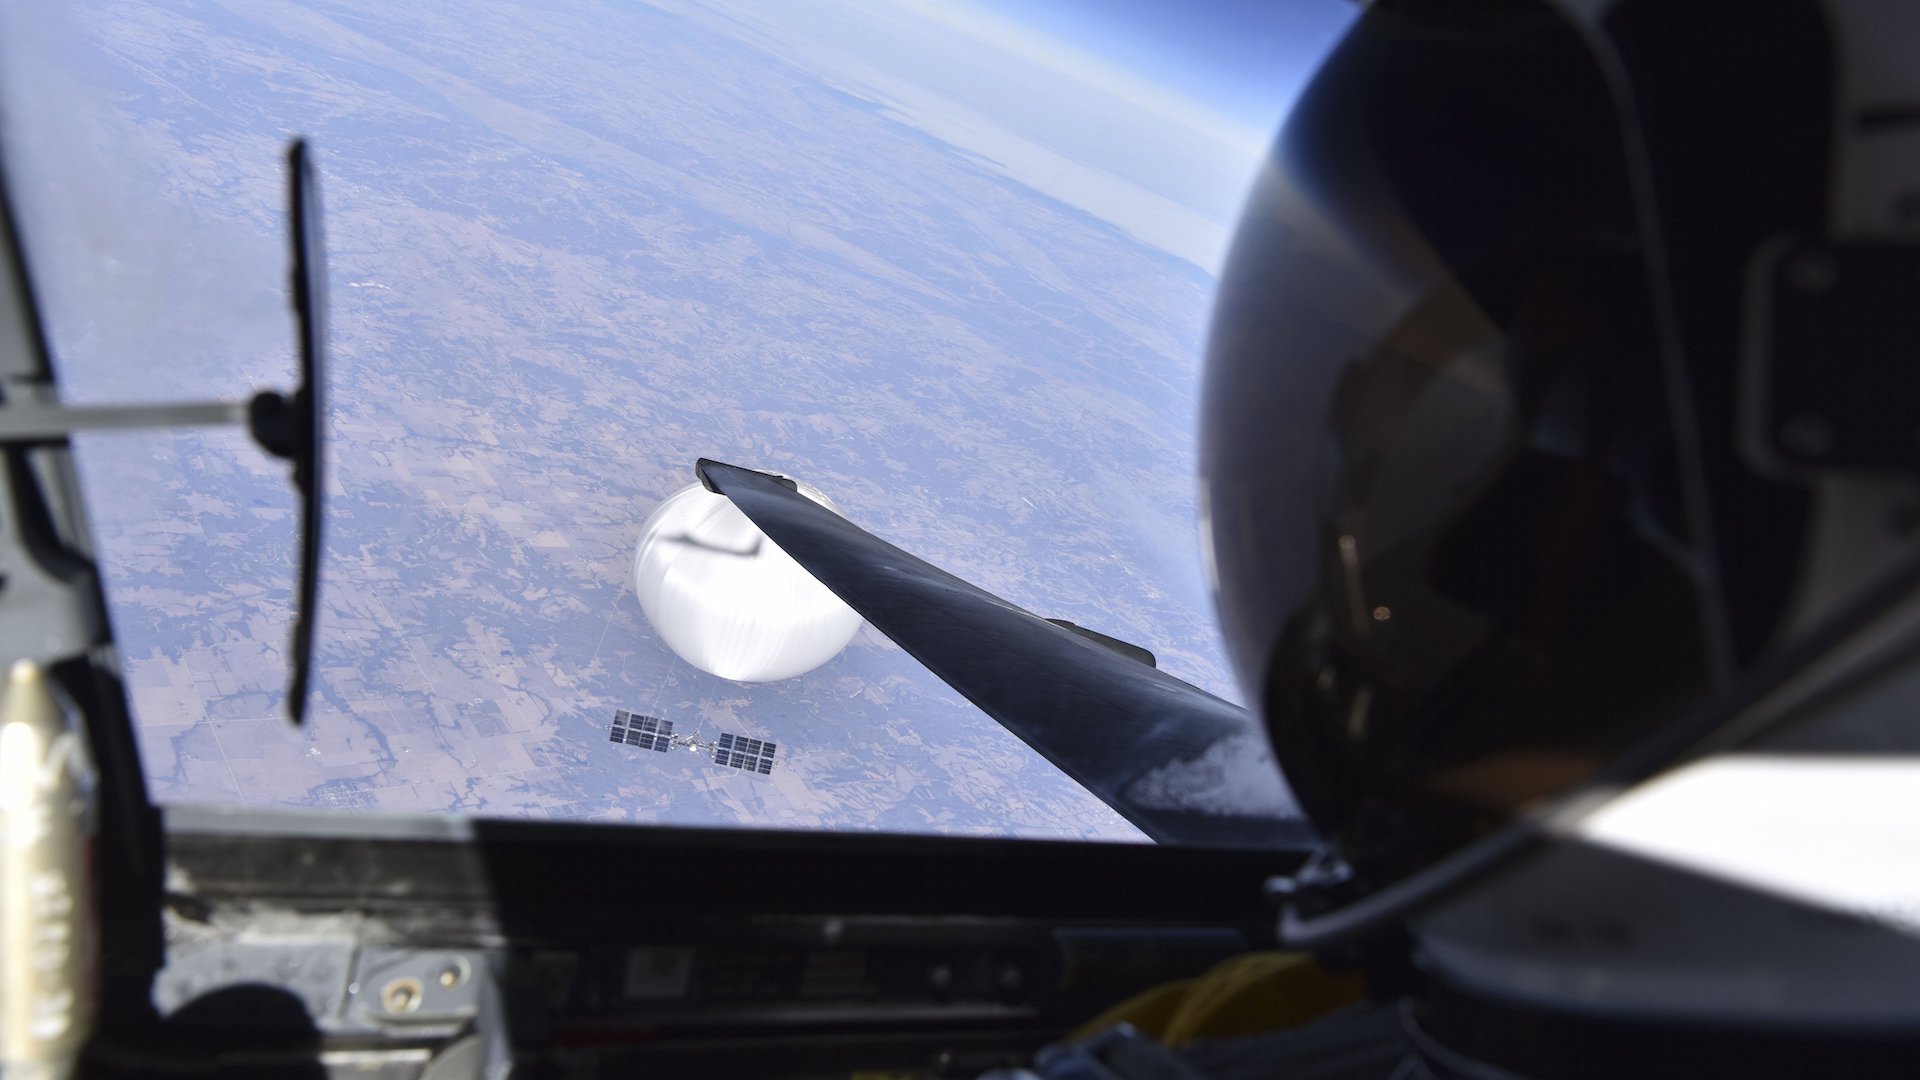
[[934, 262]]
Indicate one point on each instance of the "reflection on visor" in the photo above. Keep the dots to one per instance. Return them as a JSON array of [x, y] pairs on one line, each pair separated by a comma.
[[1442, 481]]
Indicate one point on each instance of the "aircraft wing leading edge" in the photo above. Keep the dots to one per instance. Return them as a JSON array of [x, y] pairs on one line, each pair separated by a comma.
[[1169, 757]]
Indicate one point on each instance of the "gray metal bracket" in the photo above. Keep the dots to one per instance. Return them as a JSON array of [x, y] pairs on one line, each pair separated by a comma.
[[31, 422]]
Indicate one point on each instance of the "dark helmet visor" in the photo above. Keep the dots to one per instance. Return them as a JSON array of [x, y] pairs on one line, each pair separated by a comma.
[[1439, 474]]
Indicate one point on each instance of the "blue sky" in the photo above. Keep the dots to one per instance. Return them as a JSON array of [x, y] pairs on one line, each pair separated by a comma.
[[1242, 59], [1147, 116]]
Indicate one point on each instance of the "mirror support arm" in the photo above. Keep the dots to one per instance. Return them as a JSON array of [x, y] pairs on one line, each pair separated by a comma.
[[26, 423]]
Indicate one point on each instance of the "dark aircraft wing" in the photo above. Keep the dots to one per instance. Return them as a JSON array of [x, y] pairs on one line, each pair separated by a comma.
[[1182, 765]]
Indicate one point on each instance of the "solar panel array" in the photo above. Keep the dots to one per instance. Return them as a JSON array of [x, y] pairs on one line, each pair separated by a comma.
[[645, 732], [741, 752]]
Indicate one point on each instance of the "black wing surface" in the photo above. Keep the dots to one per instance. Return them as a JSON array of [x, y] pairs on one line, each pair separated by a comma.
[[1183, 766]]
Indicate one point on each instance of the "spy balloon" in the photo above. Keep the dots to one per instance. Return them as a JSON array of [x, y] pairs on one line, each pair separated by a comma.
[[727, 600]]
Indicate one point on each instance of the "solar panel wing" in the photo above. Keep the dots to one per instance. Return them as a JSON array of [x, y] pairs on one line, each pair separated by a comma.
[[655, 733], [743, 753], [645, 732]]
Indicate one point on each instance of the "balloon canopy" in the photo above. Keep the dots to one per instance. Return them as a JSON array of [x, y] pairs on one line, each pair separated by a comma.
[[727, 600]]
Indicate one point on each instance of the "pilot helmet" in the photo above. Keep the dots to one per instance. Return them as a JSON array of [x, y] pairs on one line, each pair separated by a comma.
[[1551, 428]]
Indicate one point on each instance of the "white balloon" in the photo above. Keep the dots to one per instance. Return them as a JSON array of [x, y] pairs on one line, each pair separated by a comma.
[[727, 600]]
